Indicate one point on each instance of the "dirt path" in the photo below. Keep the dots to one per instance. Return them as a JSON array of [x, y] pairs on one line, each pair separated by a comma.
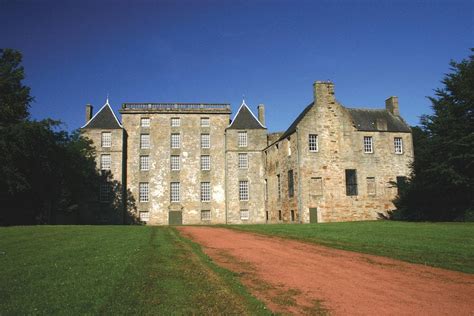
[[299, 278]]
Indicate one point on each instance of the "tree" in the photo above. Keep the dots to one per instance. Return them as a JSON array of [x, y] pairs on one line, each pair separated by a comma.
[[442, 183]]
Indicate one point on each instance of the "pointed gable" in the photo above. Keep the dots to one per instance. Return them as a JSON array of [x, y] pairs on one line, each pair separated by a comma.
[[244, 119], [104, 119]]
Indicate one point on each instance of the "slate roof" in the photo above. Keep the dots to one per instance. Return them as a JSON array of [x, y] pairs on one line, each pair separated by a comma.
[[366, 120], [104, 119], [244, 119], [293, 125]]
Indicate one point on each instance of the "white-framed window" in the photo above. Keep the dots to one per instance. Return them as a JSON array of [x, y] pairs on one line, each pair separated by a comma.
[[244, 215], [398, 145], [205, 162], [205, 141], [243, 190], [144, 163], [144, 216], [243, 161], [205, 191], [104, 193], [279, 186], [313, 142], [205, 215], [174, 192], [175, 122], [106, 139], [145, 122], [105, 162], [175, 140], [205, 122], [143, 191], [242, 139], [368, 145], [144, 141], [175, 162], [371, 186]]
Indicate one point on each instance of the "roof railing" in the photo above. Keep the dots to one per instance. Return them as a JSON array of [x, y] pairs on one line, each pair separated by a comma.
[[175, 106]]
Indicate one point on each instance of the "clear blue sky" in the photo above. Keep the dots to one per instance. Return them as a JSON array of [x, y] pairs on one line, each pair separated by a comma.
[[75, 52]]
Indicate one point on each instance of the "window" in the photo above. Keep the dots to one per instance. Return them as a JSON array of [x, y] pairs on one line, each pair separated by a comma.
[[174, 192], [244, 215], [175, 122], [105, 162], [243, 161], [266, 189], [145, 122], [205, 162], [316, 186], [143, 191], [145, 141], [175, 162], [289, 146], [205, 122], [401, 183], [242, 139], [144, 216], [266, 216], [398, 144], [106, 139], [243, 190], [104, 194], [368, 145], [175, 140], [313, 142], [145, 163], [279, 215], [370, 185], [351, 182], [205, 141], [292, 215], [205, 215], [205, 191], [291, 187], [279, 186]]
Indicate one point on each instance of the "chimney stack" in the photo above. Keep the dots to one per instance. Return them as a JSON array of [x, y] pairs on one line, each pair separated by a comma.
[[324, 92], [391, 104], [261, 114], [89, 109]]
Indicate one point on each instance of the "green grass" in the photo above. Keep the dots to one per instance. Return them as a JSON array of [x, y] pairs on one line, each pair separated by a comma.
[[113, 270], [445, 245]]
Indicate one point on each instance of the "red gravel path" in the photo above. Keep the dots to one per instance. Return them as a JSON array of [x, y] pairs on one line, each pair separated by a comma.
[[300, 278]]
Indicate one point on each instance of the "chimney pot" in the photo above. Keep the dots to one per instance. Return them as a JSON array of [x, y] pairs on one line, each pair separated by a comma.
[[261, 114], [391, 104]]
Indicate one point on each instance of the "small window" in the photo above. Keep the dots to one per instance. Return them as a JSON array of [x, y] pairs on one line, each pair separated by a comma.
[[351, 182], [368, 145], [145, 122], [242, 139], [145, 163], [145, 141], [175, 140], [316, 186], [313, 142], [205, 191], [175, 122], [175, 162], [106, 139], [292, 215], [205, 141], [205, 122], [279, 215], [398, 144], [143, 191], [279, 186], [174, 191], [105, 192], [244, 215], [105, 162], [144, 216], [205, 215], [371, 185], [291, 187], [243, 190], [289, 146], [205, 162], [266, 190], [243, 161], [266, 216]]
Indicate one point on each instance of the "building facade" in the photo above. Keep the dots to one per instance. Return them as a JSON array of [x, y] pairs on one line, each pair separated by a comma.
[[191, 164]]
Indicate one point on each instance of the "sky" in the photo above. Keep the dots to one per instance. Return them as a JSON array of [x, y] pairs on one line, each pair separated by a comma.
[[271, 52]]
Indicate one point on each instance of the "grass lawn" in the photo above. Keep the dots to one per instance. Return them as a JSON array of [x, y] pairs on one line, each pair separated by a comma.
[[445, 245], [113, 270]]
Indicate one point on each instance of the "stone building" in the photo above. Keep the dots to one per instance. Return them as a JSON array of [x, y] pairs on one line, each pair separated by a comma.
[[190, 164]]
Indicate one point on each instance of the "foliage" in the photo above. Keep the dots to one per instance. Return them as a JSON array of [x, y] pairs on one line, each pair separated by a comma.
[[442, 183], [445, 245], [113, 270]]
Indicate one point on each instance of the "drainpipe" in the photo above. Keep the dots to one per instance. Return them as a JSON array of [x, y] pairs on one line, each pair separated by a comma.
[[225, 174], [298, 162]]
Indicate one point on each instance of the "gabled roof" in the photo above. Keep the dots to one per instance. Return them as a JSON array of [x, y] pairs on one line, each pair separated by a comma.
[[293, 125], [244, 119], [368, 119], [104, 118]]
